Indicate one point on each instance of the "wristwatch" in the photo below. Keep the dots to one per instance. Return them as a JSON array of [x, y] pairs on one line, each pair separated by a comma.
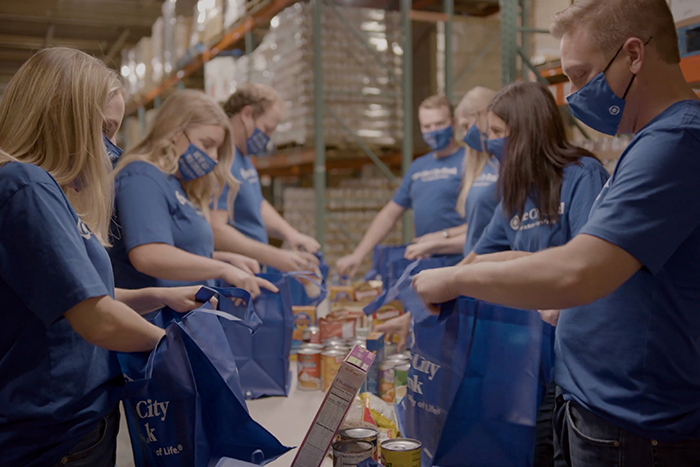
[[445, 233]]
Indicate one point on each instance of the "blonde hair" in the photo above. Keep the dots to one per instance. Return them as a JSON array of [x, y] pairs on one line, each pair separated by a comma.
[[259, 96], [182, 110], [52, 115], [436, 102], [611, 22], [476, 101]]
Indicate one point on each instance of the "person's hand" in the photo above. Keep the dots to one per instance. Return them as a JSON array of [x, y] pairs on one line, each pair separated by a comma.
[[347, 265], [243, 280], [398, 326], [433, 285], [550, 316], [243, 263], [421, 250], [182, 299], [289, 261], [431, 237], [299, 241]]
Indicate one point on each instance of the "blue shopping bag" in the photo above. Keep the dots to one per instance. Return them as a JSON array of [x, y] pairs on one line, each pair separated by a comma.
[[305, 281], [183, 401], [401, 290], [483, 398], [382, 257], [263, 358]]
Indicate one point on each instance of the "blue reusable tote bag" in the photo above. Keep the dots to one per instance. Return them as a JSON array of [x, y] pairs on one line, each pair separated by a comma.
[[263, 358], [479, 408], [184, 405], [382, 257]]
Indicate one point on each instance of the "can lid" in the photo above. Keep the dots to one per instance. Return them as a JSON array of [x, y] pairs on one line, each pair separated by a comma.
[[401, 444], [352, 446], [359, 432], [399, 358], [404, 367], [308, 351], [333, 353]]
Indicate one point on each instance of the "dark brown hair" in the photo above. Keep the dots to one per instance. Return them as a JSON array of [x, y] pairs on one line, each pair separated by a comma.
[[262, 98], [537, 150]]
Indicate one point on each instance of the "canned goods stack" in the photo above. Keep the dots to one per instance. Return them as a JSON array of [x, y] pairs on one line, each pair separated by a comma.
[[393, 374], [318, 364]]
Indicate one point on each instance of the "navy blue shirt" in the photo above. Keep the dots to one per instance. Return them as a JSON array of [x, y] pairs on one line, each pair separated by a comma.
[[633, 357], [581, 184], [431, 188], [54, 386], [247, 214], [152, 207], [481, 203]]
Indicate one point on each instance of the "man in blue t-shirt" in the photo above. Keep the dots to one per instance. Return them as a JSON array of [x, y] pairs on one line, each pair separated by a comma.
[[628, 339], [430, 187]]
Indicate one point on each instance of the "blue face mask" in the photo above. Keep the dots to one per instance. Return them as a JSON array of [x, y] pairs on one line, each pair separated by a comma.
[[195, 163], [113, 151], [475, 139], [257, 143], [596, 105], [439, 139], [497, 147]]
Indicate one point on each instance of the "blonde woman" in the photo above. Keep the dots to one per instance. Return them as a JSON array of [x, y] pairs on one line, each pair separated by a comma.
[[60, 311], [479, 195], [164, 187]]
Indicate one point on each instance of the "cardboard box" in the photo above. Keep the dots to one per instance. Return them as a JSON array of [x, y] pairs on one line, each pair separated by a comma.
[[375, 344], [342, 293], [335, 406]]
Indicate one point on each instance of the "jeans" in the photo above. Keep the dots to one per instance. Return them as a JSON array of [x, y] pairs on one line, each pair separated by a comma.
[[96, 449], [587, 440], [544, 445]]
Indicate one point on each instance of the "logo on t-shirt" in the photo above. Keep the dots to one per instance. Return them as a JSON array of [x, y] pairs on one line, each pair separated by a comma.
[[431, 175], [485, 180], [84, 230], [531, 219], [250, 176], [184, 201]]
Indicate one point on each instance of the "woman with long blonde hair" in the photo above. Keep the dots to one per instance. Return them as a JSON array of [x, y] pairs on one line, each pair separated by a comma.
[[478, 196], [59, 387], [164, 188]]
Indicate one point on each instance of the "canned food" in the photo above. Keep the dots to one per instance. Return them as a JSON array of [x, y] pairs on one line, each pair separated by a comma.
[[342, 348], [309, 369], [400, 381], [361, 433], [351, 453], [400, 453], [318, 347], [386, 381], [399, 358], [330, 364], [314, 335], [331, 341], [353, 341]]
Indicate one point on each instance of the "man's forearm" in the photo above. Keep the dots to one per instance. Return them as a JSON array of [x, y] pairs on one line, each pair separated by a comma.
[[379, 229], [227, 238]]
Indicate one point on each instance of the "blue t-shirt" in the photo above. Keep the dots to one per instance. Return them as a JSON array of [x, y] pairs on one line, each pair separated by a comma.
[[247, 214], [431, 188], [633, 357], [54, 386], [581, 184], [152, 207], [481, 203]]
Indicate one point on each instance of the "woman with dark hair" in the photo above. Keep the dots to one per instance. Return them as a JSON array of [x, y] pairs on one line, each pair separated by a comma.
[[548, 186]]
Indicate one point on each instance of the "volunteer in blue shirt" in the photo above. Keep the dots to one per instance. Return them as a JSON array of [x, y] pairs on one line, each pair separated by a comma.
[[479, 195], [548, 188], [430, 187], [164, 185], [254, 112], [59, 387], [628, 338]]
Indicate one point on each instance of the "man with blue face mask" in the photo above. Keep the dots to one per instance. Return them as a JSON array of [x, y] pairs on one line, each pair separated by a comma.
[[430, 187], [254, 112], [628, 338]]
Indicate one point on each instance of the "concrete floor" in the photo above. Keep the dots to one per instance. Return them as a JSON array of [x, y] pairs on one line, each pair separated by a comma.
[[288, 418]]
